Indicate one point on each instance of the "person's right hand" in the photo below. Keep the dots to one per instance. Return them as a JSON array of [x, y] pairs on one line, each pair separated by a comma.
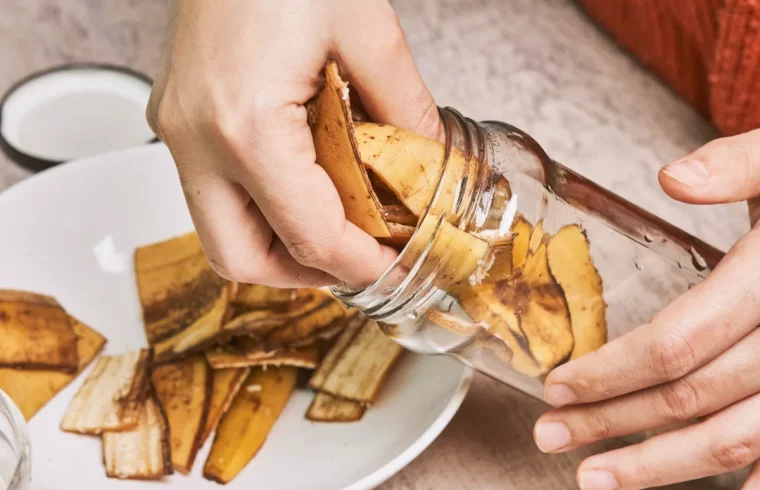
[[229, 100]]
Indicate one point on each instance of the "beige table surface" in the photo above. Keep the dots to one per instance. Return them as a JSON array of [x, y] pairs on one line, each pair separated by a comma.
[[538, 64]]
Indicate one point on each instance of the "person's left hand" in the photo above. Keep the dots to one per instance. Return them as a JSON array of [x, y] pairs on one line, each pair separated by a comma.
[[699, 357]]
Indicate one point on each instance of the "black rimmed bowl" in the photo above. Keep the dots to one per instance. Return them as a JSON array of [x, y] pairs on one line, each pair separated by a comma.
[[74, 111]]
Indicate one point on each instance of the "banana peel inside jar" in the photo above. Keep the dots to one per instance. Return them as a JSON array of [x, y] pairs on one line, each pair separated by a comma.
[[539, 293], [570, 263], [551, 309]]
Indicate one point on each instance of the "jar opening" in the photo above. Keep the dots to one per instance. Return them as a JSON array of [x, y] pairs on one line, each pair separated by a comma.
[[462, 198]]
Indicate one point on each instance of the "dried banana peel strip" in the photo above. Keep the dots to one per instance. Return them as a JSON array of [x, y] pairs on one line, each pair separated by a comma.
[[321, 322], [400, 215], [308, 358], [363, 367], [571, 266], [111, 397], [33, 389], [327, 408], [184, 389], [410, 165], [400, 235], [262, 322], [226, 384], [521, 231], [457, 252], [528, 312], [143, 452], [352, 329], [338, 155], [246, 425], [36, 333], [184, 301], [258, 297]]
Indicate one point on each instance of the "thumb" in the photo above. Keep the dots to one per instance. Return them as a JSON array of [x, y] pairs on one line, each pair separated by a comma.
[[723, 171], [378, 63]]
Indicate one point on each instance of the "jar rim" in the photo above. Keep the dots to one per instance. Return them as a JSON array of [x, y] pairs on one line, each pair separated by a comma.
[[384, 285], [19, 437]]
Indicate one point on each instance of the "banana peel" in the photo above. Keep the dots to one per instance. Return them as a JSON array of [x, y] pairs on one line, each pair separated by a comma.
[[456, 252], [111, 397], [352, 328], [570, 264], [142, 452], [308, 302], [255, 355], [528, 312], [184, 389], [400, 235], [361, 369], [521, 230], [328, 408], [36, 333], [226, 384], [399, 214], [249, 297], [184, 301], [411, 166], [337, 153], [246, 425], [31, 390], [320, 323]]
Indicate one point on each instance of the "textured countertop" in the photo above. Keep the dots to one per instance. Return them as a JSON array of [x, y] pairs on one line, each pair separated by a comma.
[[538, 64]]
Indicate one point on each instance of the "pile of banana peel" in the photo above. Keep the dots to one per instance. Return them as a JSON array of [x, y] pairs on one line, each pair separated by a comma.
[[222, 361], [539, 293]]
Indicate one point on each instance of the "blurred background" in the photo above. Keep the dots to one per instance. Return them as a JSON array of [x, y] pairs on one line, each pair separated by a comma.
[[541, 65]]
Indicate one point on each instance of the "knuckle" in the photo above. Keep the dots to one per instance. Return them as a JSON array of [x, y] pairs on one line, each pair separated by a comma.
[[671, 357], [734, 454], [167, 122], [428, 124], [312, 253], [599, 425], [236, 123], [680, 399], [230, 269], [647, 476]]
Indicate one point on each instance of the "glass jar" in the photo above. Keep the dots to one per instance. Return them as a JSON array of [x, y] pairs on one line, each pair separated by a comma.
[[15, 459], [520, 264]]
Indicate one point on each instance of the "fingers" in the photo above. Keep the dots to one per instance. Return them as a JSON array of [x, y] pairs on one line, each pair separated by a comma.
[[720, 383], [718, 445], [753, 479], [237, 240], [722, 171], [379, 64], [688, 333], [295, 195]]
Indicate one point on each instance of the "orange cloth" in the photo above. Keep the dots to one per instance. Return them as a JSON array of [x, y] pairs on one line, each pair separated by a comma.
[[708, 51]]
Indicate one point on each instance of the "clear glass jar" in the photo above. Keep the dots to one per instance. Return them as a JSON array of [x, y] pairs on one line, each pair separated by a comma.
[[597, 267], [15, 458]]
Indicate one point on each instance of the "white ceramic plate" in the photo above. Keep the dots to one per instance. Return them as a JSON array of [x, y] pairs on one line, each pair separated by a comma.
[[70, 232]]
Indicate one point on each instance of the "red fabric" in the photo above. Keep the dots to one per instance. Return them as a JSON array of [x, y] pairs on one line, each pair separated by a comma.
[[708, 51]]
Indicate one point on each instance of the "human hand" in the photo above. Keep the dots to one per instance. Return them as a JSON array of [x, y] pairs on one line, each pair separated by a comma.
[[229, 100], [699, 357]]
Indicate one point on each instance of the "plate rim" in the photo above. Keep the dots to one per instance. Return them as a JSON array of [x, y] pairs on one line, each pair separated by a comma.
[[430, 434], [373, 479]]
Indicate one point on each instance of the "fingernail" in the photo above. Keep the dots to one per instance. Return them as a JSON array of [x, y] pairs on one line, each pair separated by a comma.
[[597, 480], [559, 395], [688, 172], [552, 436]]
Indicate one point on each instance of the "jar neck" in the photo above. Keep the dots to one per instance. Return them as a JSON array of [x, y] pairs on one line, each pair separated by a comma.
[[408, 286]]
